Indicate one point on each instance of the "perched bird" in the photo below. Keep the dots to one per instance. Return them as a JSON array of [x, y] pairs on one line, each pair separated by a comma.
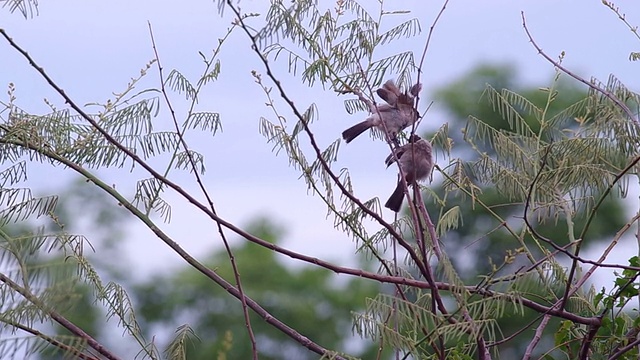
[[398, 113], [390, 93], [416, 162]]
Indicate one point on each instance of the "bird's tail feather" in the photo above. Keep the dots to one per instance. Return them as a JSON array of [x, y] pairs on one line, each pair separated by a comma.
[[357, 129], [395, 200]]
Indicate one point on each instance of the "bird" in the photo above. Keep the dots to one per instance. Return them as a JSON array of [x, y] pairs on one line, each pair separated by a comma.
[[416, 161], [390, 93], [398, 113]]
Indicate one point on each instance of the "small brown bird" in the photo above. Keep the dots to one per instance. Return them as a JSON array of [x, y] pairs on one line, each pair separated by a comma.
[[416, 161], [398, 113], [390, 93]]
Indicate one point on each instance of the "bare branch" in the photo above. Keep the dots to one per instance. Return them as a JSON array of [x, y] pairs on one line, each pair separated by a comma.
[[196, 174], [64, 322], [591, 85]]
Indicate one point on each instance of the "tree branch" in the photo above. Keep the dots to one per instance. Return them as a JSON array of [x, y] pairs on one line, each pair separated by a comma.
[[591, 85], [64, 322]]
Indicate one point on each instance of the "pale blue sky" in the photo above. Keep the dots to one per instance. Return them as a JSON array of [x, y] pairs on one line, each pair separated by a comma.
[[93, 48]]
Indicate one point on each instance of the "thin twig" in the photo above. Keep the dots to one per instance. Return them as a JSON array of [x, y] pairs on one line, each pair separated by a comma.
[[585, 347], [625, 349], [64, 322], [194, 100], [420, 71], [561, 313], [605, 253], [395, 303], [435, 240], [69, 350], [236, 272], [512, 336], [593, 86], [536, 338], [426, 45], [520, 272]]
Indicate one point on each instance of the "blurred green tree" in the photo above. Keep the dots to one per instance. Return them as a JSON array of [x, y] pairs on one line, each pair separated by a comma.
[[309, 299]]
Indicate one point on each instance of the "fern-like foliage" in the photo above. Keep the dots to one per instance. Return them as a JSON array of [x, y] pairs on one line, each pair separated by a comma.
[[569, 164], [28, 8], [177, 348], [336, 45], [43, 273]]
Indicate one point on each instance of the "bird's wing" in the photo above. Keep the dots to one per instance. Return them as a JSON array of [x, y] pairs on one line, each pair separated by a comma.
[[399, 151]]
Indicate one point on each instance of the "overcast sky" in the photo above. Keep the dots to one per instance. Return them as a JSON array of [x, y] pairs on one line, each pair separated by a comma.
[[93, 48]]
